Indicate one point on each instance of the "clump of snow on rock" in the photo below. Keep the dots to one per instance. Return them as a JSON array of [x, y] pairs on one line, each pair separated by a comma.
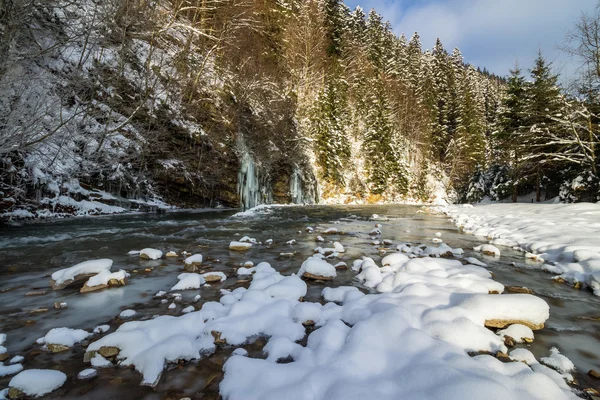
[[127, 313], [37, 382], [151, 254], [318, 268]]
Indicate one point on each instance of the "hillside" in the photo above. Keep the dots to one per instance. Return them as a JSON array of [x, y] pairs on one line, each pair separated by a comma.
[[144, 104]]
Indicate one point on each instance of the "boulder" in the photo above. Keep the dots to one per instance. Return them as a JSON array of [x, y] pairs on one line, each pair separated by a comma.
[[504, 323]]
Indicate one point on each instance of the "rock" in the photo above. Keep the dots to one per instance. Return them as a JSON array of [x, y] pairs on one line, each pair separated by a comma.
[[218, 340], [38, 310], [106, 352], [37, 292], [341, 266], [111, 283], [508, 341], [558, 279], [191, 267], [57, 348], [171, 254], [577, 285], [594, 374], [447, 254], [310, 322], [109, 351], [494, 292], [503, 357], [518, 289], [4, 357], [212, 278], [77, 278], [592, 392], [58, 305], [14, 393], [503, 323], [308, 275]]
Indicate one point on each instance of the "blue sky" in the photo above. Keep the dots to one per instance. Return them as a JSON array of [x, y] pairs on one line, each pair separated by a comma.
[[490, 33]]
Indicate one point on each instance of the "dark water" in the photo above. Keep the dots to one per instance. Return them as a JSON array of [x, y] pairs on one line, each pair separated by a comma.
[[29, 253]]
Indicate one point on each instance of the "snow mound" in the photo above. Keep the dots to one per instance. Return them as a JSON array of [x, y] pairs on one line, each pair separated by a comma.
[[189, 280], [38, 382], [557, 361]]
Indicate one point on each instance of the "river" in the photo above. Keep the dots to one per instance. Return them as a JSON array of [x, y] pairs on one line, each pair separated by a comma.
[[31, 252]]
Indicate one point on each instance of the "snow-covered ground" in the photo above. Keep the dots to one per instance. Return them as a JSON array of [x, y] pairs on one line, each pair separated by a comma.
[[563, 239]]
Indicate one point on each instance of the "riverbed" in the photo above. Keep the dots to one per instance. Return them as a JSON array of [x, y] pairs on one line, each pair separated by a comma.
[[31, 252]]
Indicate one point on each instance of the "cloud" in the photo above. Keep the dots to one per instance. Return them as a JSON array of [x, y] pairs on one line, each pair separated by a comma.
[[490, 33]]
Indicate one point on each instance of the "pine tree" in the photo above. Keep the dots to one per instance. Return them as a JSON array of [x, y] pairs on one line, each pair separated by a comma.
[[511, 122], [332, 148], [543, 103]]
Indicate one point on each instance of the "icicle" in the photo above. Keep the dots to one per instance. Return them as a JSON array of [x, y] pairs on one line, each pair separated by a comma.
[[296, 188]]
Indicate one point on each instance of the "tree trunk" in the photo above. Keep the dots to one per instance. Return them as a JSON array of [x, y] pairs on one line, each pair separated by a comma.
[[538, 189]]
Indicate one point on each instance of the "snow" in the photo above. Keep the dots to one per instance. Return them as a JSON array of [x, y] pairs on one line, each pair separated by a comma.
[[84, 268], [317, 267], [16, 359], [565, 236], [557, 361], [65, 336], [38, 382], [189, 281], [196, 258], [87, 373], [474, 261], [127, 313], [340, 294], [152, 254], [105, 276], [2, 338], [6, 370], [520, 333], [410, 341], [101, 329], [100, 362]]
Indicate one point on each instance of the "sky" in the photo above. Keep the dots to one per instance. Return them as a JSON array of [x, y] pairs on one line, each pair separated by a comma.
[[490, 33]]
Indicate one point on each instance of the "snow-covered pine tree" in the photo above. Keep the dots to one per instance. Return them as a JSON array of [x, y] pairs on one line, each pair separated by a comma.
[[543, 104]]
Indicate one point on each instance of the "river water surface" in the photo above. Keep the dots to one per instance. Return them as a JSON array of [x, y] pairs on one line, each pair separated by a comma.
[[31, 252]]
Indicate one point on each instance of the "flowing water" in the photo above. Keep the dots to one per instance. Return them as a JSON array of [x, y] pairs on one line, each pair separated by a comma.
[[31, 252]]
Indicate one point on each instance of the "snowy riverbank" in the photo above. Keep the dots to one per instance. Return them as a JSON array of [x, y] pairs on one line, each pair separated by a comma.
[[563, 239]]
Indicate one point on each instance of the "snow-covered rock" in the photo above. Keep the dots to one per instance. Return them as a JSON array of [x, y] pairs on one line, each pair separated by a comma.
[[240, 246], [520, 333], [37, 382], [189, 280], [151, 254], [61, 339], [82, 271], [316, 268], [104, 280], [127, 313], [488, 250]]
